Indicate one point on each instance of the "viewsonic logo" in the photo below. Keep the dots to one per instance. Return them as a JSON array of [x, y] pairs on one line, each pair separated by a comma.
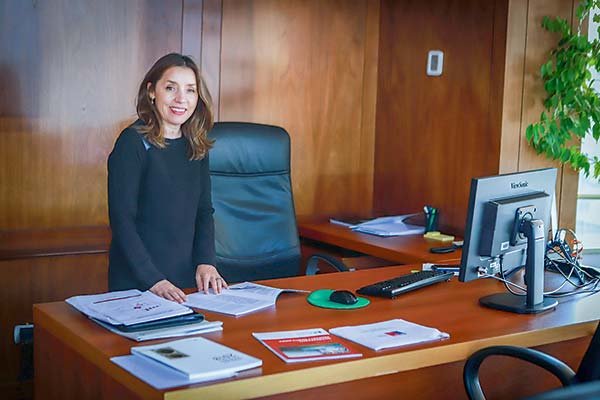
[[519, 185]]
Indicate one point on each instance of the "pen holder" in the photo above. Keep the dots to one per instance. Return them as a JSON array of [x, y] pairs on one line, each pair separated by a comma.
[[431, 219]]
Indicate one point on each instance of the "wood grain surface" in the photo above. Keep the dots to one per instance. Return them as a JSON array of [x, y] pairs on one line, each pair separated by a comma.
[[434, 134], [307, 66], [408, 249], [27, 281], [538, 42], [471, 327], [70, 72]]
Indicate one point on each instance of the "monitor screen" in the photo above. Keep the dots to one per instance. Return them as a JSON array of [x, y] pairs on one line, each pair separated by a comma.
[[500, 207]]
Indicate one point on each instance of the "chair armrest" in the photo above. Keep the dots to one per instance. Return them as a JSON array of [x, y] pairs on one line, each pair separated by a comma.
[[471, 370], [312, 265]]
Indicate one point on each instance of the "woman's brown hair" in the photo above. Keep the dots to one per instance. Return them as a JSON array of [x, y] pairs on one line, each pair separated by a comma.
[[195, 129]]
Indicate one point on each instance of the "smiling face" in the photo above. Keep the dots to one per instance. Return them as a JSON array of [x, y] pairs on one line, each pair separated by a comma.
[[175, 98]]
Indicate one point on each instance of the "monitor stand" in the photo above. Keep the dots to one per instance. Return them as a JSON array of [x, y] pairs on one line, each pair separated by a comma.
[[533, 302]]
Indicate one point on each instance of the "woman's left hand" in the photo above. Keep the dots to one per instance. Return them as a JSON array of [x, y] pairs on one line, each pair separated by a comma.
[[208, 276]]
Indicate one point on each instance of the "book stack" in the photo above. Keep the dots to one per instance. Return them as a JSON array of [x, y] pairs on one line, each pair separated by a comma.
[[142, 315]]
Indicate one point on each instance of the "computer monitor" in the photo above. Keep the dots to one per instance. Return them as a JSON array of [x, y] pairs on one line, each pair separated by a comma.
[[507, 228]]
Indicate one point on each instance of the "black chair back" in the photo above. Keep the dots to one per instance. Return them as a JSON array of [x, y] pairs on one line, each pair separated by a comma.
[[589, 368], [256, 235]]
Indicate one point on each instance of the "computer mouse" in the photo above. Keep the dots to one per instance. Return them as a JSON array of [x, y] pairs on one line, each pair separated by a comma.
[[345, 297]]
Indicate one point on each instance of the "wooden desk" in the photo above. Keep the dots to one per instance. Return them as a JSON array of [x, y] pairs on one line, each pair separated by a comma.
[[409, 249], [72, 353]]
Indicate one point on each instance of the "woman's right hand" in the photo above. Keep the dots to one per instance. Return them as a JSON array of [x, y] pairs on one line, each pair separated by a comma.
[[169, 291]]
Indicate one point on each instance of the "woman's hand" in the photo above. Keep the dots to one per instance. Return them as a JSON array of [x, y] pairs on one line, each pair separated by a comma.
[[207, 276], [169, 291]]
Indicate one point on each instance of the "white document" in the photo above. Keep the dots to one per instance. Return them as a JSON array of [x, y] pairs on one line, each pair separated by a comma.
[[198, 358], [127, 307], [158, 375], [388, 334], [239, 299], [168, 332], [390, 226]]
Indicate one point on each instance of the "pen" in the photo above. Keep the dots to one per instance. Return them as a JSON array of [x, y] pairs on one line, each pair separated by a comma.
[[116, 298]]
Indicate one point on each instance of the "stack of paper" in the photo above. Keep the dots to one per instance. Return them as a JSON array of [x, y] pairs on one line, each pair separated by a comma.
[[349, 222], [388, 334], [185, 361], [201, 327], [129, 313], [127, 307], [389, 226], [239, 299]]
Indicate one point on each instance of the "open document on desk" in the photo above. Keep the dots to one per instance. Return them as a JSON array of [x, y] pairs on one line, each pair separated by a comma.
[[390, 226], [240, 299]]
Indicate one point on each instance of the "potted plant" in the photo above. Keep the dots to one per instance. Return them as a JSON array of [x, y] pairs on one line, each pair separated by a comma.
[[572, 106]]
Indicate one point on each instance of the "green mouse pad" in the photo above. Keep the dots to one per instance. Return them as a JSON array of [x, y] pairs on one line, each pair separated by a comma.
[[320, 298]]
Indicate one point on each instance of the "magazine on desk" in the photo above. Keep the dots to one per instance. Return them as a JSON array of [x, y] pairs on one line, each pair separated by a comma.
[[305, 345], [183, 362], [198, 357], [389, 334], [237, 300], [349, 222]]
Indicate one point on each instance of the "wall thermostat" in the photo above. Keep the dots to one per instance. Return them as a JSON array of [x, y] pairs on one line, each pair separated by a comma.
[[435, 62]]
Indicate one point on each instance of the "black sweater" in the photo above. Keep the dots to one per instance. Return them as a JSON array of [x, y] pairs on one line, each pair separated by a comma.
[[160, 213]]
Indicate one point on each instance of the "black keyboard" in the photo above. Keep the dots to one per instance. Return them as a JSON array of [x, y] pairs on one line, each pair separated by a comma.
[[404, 283]]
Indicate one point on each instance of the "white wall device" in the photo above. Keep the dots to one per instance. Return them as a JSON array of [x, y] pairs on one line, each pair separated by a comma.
[[435, 62]]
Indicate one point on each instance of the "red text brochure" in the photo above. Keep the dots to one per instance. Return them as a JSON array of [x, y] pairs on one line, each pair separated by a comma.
[[306, 345]]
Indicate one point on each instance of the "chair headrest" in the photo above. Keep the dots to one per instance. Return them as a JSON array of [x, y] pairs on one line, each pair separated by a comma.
[[248, 148]]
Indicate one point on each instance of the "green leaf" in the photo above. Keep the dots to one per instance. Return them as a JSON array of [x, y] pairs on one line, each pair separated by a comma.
[[596, 132], [529, 133], [597, 169], [572, 105], [565, 155]]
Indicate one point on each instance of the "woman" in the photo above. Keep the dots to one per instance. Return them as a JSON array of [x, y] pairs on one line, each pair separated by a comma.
[[159, 187]]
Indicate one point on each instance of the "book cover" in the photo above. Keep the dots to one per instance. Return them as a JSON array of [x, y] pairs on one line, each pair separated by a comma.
[[198, 358], [305, 345]]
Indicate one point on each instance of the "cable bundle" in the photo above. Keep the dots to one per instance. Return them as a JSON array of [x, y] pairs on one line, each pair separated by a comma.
[[563, 255]]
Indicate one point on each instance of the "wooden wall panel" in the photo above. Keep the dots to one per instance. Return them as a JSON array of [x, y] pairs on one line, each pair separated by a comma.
[[434, 133], [70, 71], [514, 67], [528, 45], [307, 66], [212, 16]]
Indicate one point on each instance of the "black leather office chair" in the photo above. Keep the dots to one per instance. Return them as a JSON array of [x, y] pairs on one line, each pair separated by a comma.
[[256, 235], [588, 371], [580, 391]]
